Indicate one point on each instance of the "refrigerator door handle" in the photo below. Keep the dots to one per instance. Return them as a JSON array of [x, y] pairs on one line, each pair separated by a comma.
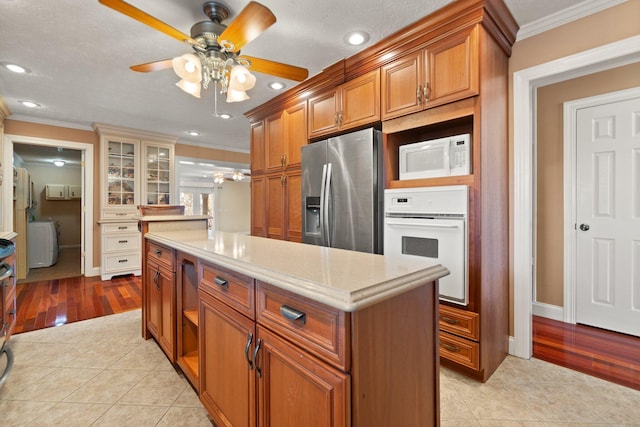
[[327, 203], [322, 198]]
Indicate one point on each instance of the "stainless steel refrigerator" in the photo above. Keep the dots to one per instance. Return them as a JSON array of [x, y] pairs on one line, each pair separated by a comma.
[[342, 192]]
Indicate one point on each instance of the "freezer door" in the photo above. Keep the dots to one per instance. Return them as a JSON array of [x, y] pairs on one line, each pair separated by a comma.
[[313, 160], [353, 216]]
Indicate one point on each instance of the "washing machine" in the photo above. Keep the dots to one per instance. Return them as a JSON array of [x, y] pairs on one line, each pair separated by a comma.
[[42, 243]]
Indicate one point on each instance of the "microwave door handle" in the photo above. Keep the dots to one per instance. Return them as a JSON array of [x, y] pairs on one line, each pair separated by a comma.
[[327, 204], [322, 207]]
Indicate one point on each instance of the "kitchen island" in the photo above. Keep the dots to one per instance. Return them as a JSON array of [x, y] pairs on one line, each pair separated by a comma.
[[290, 334]]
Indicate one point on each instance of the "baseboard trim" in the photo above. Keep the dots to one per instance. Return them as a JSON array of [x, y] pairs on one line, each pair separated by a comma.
[[548, 311]]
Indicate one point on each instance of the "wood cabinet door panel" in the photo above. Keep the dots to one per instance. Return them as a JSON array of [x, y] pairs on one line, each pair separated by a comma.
[[274, 142], [154, 299], [360, 101], [296, 389], [296, 133], [400, 82], [453, 67], [167, 336], [227, 379], [323, 109], [257, 147], [275, 202], [294, 206], [258, 206]]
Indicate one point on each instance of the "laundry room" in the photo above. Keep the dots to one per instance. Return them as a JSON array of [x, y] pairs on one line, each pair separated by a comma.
[[47, 203]]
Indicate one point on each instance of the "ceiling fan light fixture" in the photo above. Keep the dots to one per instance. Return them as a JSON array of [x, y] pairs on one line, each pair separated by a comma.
[[189, 87], [240, 79], [188, 67]]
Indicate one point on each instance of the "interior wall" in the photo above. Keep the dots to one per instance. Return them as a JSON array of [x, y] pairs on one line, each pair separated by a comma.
[[610, 25], [233, 207], [65, 212], [211, 153], [550, 197]]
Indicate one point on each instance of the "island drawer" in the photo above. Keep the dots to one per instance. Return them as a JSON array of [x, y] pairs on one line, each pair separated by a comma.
[[459, 350], [459, 322], [316, 327], [232, 288], [161, 254]]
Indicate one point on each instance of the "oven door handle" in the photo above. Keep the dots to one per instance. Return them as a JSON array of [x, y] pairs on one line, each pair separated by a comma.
[[420, 224]]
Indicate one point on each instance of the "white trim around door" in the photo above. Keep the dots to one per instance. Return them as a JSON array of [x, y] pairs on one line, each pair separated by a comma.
[[87, 190], [525, 83]]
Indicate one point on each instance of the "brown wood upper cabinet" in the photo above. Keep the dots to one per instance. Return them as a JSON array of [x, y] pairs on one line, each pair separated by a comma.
[[443, 71], [257, 147], [349, 105], [285, 134]]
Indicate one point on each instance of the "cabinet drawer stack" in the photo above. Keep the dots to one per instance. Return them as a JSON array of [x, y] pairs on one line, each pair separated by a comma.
[[459, 336], [120, 249]]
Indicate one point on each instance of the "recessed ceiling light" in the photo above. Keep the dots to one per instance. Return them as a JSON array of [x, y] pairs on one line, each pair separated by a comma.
[[16, 68], [276, 85], [30, 104], [193, 132], [356, 38], [58, 163], [226, 116]]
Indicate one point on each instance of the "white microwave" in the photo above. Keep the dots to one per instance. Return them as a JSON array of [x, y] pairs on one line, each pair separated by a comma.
[[437, 157]]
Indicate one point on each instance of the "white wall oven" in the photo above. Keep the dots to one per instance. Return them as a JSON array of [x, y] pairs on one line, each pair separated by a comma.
[[430, 223]]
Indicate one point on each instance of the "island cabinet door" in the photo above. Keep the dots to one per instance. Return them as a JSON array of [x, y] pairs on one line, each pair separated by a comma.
[[296, 389], [160, 290], [227, 377]]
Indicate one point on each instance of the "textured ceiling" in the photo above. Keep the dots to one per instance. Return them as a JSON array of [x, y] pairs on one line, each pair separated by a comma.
[[79, 53]]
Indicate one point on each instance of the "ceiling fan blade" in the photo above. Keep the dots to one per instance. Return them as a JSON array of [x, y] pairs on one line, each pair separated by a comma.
[[249, 24], [135, 13], [277, 69], [152, 66]]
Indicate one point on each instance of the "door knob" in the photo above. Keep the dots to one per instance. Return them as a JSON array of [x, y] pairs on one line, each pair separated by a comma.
[[584, 227]]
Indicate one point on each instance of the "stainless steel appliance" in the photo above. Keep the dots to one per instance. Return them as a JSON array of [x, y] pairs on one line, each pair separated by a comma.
[[342, 192], [6, 282], [431, 223]]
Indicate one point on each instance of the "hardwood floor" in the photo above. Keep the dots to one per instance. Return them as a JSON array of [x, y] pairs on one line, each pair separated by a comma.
[[607, 355], [55, 302], [604, 354]]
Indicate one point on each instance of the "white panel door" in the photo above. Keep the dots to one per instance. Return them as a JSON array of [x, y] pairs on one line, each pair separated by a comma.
[[608, 216]]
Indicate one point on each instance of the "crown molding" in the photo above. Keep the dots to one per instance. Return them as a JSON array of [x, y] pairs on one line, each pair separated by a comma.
[[43, 121], [565, 16]]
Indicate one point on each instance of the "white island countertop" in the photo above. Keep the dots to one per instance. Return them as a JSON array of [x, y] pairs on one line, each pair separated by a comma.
[[347, 280]]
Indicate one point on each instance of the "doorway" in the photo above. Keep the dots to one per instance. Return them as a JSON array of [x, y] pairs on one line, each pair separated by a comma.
[[615, 54], [602, 139], [86, 191]]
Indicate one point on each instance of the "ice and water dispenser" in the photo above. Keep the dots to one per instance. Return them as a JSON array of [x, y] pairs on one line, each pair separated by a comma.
[[312, 216]]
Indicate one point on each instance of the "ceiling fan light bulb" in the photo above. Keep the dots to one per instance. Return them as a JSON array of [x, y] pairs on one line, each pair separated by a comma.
[[189, 87], [188, 67]]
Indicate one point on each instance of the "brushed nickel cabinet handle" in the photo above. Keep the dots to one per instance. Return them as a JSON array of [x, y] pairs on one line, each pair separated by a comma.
[[246, 351], [449, 320], [426, 92], [293, 314], [451, 348], [158, 252], [255, 358], [155, 279], [223, 283], [419, 94]]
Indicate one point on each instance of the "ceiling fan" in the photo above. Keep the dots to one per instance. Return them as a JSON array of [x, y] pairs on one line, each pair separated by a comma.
[[216, 49]]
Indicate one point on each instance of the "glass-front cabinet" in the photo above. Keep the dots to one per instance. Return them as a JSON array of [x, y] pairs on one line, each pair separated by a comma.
[[158, 173], [121, 173]]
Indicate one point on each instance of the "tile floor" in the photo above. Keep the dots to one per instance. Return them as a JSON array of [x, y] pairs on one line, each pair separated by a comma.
[[100, 372]]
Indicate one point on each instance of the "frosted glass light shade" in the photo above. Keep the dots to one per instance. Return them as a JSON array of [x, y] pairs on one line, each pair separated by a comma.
[[188, 67], [240, 79], [236, 95], [189, 87]]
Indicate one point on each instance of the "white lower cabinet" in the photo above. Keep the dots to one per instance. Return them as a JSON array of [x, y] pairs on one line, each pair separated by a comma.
[[121, 252]]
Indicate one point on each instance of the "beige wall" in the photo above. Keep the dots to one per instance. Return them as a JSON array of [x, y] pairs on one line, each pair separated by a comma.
[[65, 212], [616, 23], [549, 215], [233, 207], [211, 153]]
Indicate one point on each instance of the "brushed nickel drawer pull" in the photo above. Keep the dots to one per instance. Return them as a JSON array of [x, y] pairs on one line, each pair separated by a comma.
[[123, 241], [293, 314], [449, 320], [124, 227], [158, 252], [223, 283], [255, 357], [246, 351], [451, 348], [123, 260]]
